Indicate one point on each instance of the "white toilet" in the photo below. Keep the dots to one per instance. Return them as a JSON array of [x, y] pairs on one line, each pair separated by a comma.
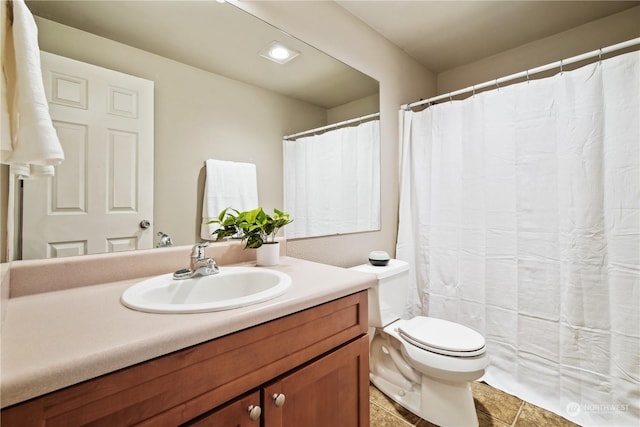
[[424, 364]]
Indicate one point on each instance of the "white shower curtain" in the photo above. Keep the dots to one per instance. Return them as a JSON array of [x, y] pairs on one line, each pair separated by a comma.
[[332, 181], [520, 218]]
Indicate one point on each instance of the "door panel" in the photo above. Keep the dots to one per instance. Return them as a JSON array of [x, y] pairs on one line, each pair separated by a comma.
[[104, 188], [330, 392]]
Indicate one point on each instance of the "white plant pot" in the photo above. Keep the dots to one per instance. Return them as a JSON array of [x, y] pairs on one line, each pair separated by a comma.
[[268, 254]]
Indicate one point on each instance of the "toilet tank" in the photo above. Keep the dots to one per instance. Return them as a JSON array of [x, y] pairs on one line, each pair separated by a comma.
[[387, 299]]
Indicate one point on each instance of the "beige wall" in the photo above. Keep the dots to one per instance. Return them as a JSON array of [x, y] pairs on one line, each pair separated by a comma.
[[331, 29], [585, 38], [357, 108], [198, 115]]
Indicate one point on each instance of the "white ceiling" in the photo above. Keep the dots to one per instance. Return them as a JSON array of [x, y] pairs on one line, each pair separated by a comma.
[[443, 35], [225, 40]]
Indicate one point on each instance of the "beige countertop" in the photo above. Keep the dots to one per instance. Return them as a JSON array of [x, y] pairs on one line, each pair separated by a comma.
[[51, 340]]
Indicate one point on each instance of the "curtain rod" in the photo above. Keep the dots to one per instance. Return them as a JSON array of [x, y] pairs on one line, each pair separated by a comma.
[[335, 125], [557, 64]]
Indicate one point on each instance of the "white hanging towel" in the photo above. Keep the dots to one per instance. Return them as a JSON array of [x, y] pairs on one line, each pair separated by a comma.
[[228, 184], [29, 141]]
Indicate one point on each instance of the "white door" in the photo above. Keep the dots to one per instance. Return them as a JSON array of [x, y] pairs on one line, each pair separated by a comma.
[[104, 188]]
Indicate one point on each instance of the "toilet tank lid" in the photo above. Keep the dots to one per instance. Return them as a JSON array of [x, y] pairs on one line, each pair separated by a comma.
[[395, 266]]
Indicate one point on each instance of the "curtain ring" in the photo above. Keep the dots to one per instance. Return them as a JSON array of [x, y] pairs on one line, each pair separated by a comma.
[[600, 55], [561, 66], [527, 76], [473, 93], [450, 98], [497, 85]]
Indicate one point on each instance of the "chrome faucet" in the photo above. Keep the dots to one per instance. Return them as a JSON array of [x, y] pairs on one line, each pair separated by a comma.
[[165, 240], [199, 265]]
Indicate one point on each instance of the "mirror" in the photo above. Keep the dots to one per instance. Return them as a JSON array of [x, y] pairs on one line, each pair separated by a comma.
[[215, 96]]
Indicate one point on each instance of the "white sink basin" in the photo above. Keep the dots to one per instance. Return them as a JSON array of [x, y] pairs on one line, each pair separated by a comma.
[[232, 287]]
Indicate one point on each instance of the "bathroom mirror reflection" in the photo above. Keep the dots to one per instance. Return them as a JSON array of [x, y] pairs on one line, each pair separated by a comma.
[[214, 95]]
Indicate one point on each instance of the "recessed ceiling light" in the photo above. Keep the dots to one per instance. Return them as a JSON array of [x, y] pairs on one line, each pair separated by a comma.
[[277, 52]]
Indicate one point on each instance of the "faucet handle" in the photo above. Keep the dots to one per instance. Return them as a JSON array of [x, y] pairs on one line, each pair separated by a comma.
[[198, 250]]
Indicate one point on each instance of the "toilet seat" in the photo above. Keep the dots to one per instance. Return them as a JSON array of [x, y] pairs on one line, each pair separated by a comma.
[[435, 364], [442, 337]]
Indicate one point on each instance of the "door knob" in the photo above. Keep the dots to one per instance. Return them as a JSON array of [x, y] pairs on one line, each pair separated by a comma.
[[144, 224], [278, 399], [254, 412]]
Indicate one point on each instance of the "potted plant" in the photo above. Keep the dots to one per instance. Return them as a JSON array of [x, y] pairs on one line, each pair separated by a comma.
[[256, 228]]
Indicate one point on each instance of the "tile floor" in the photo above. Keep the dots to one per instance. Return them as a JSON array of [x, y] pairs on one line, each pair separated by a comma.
[[495, 408]]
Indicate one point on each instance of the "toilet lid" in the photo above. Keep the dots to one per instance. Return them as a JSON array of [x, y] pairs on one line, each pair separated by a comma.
[[443, 337]]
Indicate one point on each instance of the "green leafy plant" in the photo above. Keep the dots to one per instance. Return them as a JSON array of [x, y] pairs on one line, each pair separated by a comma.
[[227, 227], [255, 227]]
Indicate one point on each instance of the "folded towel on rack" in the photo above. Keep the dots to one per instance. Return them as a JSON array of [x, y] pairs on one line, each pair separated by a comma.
[[228, 184], [29, 141]]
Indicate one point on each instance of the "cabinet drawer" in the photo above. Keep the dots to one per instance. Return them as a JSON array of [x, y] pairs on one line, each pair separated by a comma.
[[182, 385]]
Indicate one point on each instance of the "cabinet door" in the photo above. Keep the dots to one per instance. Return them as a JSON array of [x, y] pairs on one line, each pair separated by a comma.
[[243, 412], [333, 391]]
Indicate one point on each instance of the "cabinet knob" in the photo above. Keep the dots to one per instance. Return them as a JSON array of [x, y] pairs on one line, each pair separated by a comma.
[[278, 399], [254, 412]]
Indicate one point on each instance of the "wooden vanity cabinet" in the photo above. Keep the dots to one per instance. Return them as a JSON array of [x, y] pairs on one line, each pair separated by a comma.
[[317, 358], [324, 393]]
